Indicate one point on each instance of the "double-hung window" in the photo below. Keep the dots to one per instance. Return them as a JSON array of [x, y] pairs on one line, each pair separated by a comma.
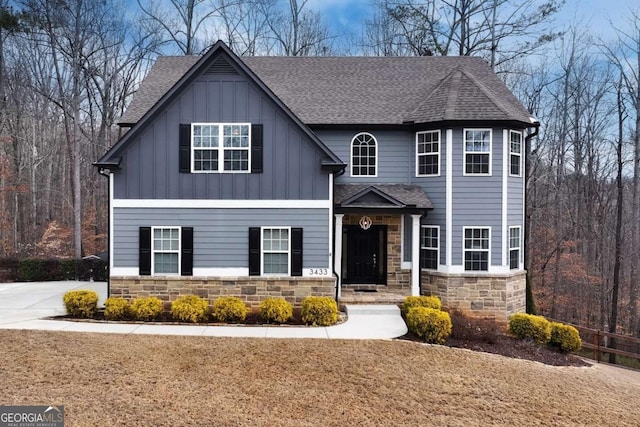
[[514, 248], [364, 155], [276, 253], [429, 248], [166, 250], [220, 147], [476, 248], [515, 153], [477, 152], [428, 153]]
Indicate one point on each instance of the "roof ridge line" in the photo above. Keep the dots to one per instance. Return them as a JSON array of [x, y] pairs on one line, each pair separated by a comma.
[[488, 93], [454, 90]]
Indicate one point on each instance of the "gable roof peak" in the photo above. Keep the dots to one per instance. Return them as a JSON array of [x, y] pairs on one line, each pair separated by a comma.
[[202, 65]]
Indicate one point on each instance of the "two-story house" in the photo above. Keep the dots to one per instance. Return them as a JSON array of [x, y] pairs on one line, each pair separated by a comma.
[[296, 176]]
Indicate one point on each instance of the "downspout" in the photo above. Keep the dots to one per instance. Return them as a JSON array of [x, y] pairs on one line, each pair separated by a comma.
[[107, 173], [529, 305]]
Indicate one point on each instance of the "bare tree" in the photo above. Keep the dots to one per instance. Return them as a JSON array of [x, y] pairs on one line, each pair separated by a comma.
[[500, 30], [181, 23], [295, 30]]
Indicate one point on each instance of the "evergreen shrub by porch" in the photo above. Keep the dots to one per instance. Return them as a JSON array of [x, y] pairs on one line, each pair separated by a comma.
[[421, 301], [319, 311], [147, 308], [429, 324], [116, 308], [83, 304], [565, 337], [229, 309], [529, 326], [189, 308], [276, 310]]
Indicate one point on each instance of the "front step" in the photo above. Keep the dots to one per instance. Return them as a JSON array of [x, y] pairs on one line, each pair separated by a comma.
[[354, 297], [375, 310]]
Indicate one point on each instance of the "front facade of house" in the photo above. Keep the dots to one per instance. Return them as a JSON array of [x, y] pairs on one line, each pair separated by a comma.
[[291, 177]]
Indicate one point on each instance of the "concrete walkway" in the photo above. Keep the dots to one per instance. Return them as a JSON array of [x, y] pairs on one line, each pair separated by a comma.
[[23, 305]]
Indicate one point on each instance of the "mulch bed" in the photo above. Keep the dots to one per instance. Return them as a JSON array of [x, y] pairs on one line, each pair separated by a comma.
[[520, 349]]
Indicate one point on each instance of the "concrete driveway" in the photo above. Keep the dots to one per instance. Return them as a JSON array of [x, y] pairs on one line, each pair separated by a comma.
[[34, 300], [23, 305]]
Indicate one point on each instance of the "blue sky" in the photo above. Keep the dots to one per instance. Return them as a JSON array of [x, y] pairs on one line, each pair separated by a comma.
[[348, 15]]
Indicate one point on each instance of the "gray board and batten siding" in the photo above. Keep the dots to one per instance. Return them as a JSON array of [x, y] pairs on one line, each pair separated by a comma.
[[221, 236], [291, 163]]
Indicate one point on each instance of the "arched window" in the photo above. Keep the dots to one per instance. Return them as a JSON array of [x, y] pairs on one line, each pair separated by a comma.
[[364, 156]]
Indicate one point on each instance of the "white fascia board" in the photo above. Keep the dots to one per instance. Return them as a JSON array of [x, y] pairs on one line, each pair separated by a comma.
[[222, 204]]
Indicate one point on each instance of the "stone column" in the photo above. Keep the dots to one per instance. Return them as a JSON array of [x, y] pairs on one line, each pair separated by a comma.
[[337, 252], [415, 255]]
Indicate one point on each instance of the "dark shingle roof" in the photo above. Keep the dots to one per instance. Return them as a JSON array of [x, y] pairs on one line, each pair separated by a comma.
[[362, 90], [358, 195]]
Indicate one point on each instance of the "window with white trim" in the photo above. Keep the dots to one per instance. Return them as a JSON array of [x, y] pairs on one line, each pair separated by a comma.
[[514, 248], [515, 153], [428, 153], [166, 250], [477, 151], [276, 251], [476, 248], [364, 155], [220, 147], [429, 248]]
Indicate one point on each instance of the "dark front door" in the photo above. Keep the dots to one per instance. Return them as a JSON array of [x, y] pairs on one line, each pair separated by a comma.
[[366, 255]]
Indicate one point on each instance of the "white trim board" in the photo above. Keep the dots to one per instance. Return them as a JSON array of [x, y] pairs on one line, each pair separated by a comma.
[[221, 204]]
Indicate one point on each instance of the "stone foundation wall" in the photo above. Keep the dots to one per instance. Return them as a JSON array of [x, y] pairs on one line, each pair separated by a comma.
[[251, 290], [493, 297], [397, 278]]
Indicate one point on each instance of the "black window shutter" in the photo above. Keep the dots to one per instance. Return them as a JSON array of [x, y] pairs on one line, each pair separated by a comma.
[[296, 251], [254, 251], [186, 262], [144, 247], [185, 148], [256, 148]]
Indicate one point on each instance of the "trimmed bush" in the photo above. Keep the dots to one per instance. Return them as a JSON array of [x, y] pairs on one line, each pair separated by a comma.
[[319, 311], [565, 337], [83, 304], [189, 308], [147, 308], [276, 310], [116, 308], [431, 325], [229, 309], [421, 301], [529, 326]]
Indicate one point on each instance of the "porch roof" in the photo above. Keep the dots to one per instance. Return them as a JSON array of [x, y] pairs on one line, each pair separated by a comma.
[[381, 196]]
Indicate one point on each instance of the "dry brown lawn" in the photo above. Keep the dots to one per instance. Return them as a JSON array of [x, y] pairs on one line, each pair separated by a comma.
[[108, 380]]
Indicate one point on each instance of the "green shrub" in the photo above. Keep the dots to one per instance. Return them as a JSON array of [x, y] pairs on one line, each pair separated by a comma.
[[276, 310], [189, 308], [319, 311], [421, 301], [147, 308], [83, 304], [529, 326], [229, 309], [429, 324], [565, 337], [116, 308]]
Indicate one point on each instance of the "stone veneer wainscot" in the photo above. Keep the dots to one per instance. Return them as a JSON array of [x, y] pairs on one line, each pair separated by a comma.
[[493, 297], [251, 290]]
